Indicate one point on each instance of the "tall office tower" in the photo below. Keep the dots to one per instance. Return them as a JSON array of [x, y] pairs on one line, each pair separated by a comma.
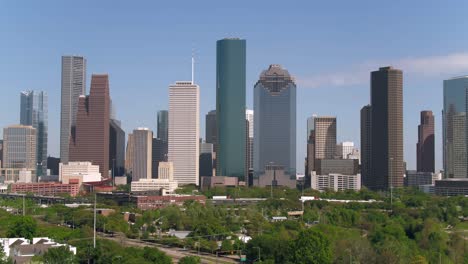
[[230, 107], [366, 146], [343, 149], [159, 155], [387, 128], [211, 129], [275, 121], [454, 104], [249, 116], [310, 155], [33, 113], [142, 154], [425, 145], [19, 148], [163, 125], [310, 125], [184, 107], [73, 85], [206, 159], [325, 137], [459, 145], [116, 148], [90, 137], [1, 152], [129, 155]]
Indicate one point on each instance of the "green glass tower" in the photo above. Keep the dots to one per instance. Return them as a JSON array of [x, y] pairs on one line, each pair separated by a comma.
[[230, 107]]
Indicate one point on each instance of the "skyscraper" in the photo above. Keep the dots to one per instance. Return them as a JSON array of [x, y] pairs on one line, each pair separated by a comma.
[[425, 145], [366, 146], [211, 128], [455, 90], [387, 128], [230, 107], [343, 149], [73, 85], [275, 121], [129, 155], [184, 105], [19, 149], [163, 125], [249, 116], [90, 137], [459, 145], [206, 159], [325, 137], [33, 113], [116, 148], [159, 155], [142, 154]]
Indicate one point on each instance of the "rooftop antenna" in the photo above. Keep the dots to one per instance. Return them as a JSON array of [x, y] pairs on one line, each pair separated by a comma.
[[193, 66]]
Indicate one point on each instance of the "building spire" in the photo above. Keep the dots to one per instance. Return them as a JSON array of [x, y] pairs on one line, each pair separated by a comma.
[[193, 66]]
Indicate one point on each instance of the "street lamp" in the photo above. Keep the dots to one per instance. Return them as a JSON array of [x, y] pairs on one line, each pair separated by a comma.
[[391, 183], [258, 253]]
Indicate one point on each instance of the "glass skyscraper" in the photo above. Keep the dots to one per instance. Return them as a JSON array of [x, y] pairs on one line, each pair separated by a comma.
[[275, 121], [454, 127], [230, 107], [163, 125], [33, 113], [73, 85]]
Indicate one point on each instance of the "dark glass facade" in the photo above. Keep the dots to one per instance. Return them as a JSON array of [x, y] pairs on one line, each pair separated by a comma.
[[33, 112], [275, 121], [163, 125], [454, 127], [387, 128], [230, 107], [425, 145]]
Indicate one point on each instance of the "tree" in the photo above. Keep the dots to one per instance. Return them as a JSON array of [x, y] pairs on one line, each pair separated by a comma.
[[154, 255], [24, 226], [190, 260], [227, 246], [59, 255], [311, 247]]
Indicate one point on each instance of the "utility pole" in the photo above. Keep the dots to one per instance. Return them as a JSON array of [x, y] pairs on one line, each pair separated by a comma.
[[113, 173], [391, 183], [24, 206], [94, 237]]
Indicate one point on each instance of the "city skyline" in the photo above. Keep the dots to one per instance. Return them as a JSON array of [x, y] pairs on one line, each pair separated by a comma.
[[350, 100]]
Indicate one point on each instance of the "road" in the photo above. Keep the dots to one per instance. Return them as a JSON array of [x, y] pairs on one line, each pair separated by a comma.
[[175, 253]]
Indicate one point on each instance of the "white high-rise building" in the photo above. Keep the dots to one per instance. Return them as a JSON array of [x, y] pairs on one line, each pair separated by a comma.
[[343, 149], [183, 148], [19, 151], [249, 116], [73, 85], [336, 182], [142, 153]]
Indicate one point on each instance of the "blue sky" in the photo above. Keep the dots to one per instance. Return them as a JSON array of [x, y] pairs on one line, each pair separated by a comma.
[[329, 46]]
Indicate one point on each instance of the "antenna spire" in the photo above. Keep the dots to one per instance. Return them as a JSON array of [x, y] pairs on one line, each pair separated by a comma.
[[193, 66]]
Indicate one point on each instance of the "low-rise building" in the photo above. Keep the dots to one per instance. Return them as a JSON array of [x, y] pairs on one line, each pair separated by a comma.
[[154, 184], [218, 181], [83, 171], [45, 188], [415, 178], [22, 250], [451, 187], [275, 175], [336, 182], [339, 166], [156, 202], [165, 180]]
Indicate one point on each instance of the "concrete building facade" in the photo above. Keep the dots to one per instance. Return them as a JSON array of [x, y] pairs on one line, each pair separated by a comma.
[[183, 148]]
